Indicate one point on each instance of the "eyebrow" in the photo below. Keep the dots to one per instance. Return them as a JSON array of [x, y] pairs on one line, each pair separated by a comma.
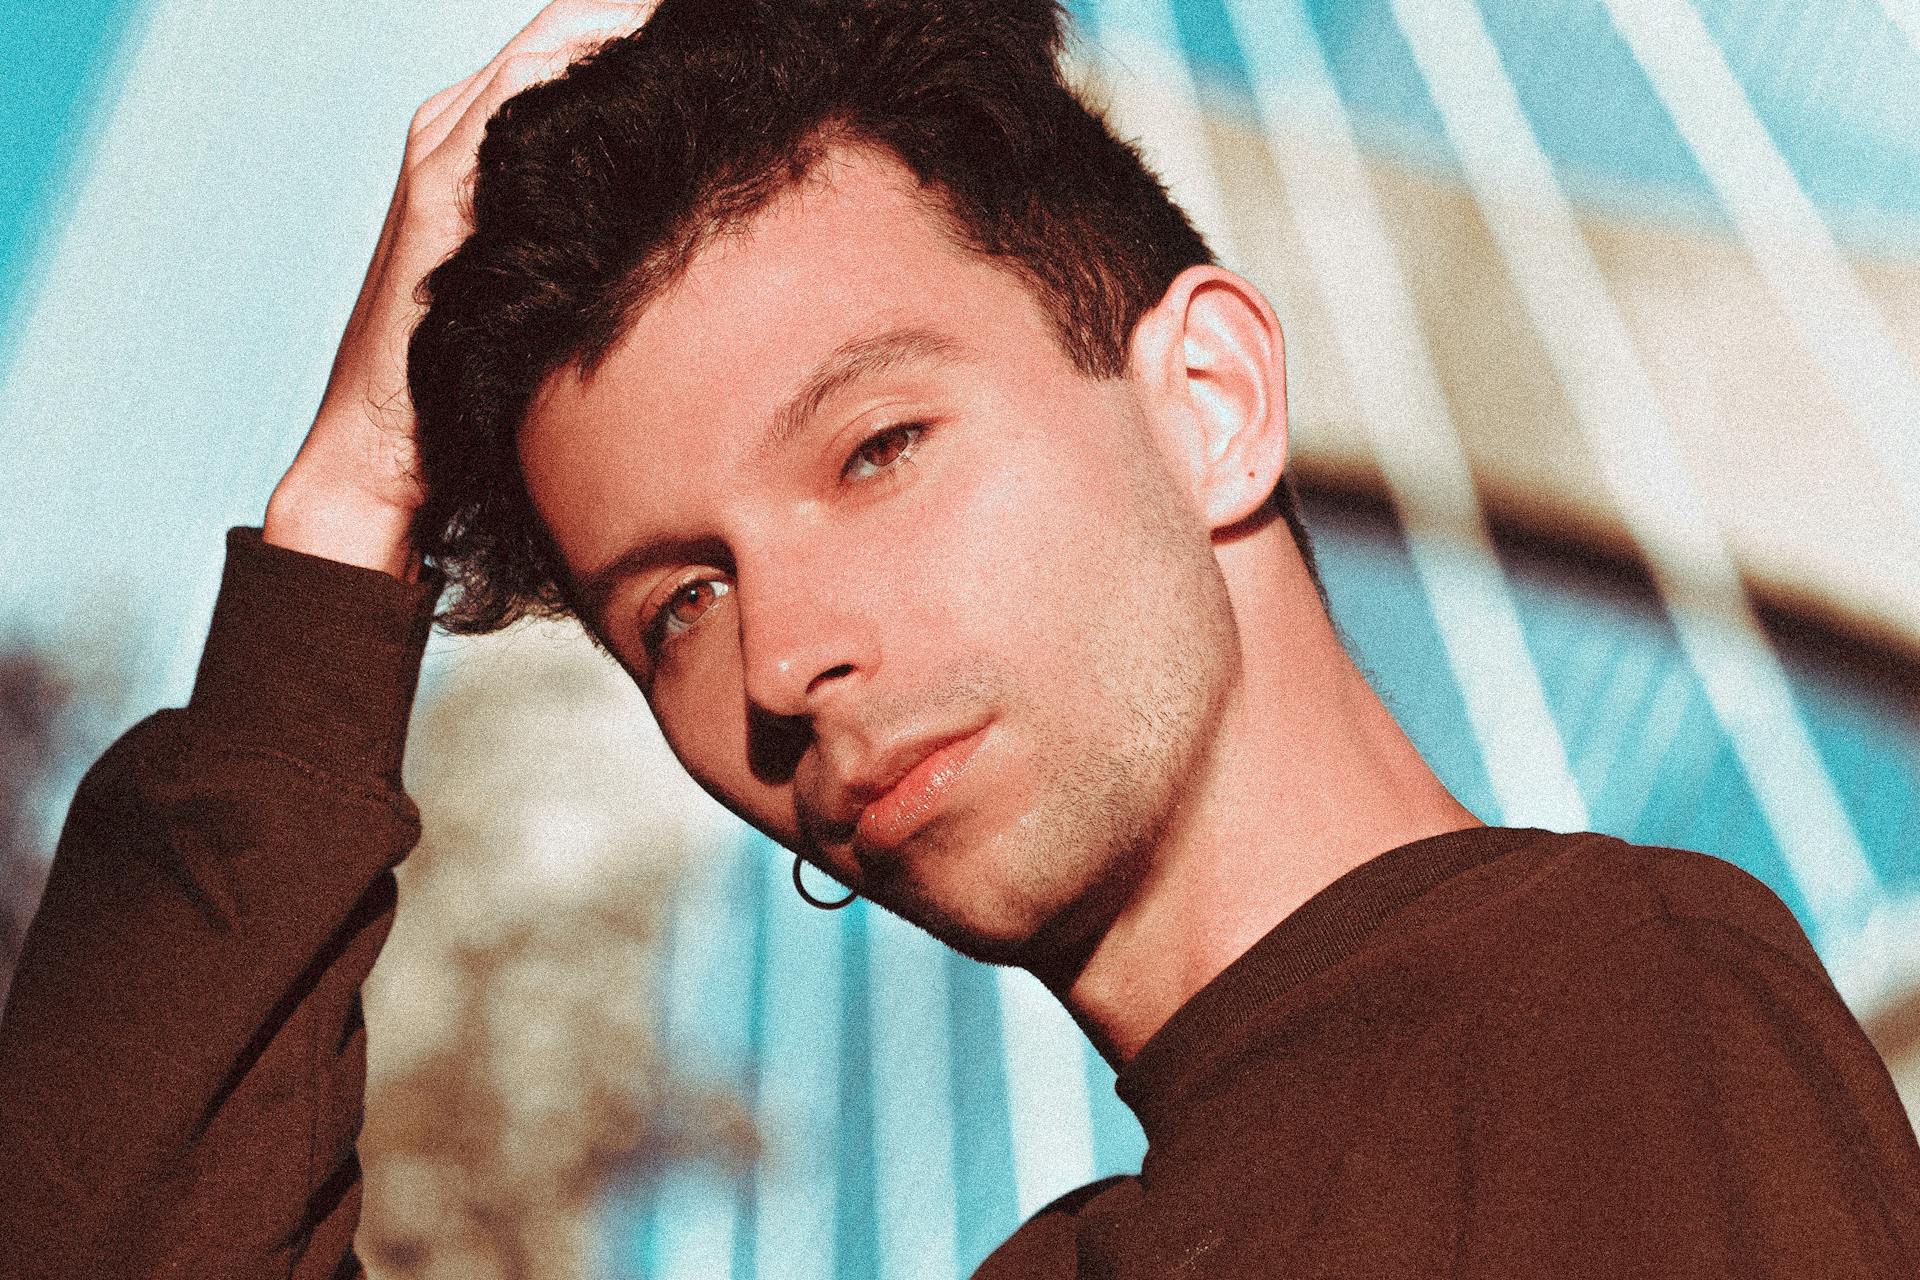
[[851, 362]]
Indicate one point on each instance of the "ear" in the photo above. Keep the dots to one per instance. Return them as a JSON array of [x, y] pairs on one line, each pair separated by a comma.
[[1210, 362]]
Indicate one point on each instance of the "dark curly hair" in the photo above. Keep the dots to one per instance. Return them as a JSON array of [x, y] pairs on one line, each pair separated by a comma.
[[593, 190]]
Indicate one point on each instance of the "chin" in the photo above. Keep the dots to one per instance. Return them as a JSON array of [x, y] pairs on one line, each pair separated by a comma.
[[986, 937], [970, 915], [1011, 901]]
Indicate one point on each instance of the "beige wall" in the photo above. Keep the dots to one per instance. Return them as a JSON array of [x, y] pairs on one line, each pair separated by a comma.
[[1803, 503]]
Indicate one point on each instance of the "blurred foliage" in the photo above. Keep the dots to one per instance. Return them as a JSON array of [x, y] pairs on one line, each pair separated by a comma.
[[36, 700], [514, 1076]]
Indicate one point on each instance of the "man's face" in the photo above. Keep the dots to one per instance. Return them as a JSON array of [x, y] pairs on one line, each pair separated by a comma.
[[905, 590]]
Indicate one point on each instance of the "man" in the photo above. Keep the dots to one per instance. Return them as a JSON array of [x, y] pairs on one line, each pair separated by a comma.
[[876, 411]]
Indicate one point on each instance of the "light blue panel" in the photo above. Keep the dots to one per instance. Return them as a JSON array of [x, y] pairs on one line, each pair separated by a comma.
[[856, 1243], [695, 1226], [751, 917], [1871, 744], [798, 999], [913, 1062], [983, 1143], [1579, 631], [1838, 88], [1374, 71], [1587, 99], [697, 1219], [172, 351], [58, 64]]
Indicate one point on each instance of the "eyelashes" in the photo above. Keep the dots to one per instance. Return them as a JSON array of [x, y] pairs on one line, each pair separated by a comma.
[[883, 450]]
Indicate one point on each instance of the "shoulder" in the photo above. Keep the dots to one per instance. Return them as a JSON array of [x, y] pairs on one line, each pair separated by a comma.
[[1566, 901], [1679, 884], [1687, 1073], [1630, 962], [1584, 948], [1704, 912]]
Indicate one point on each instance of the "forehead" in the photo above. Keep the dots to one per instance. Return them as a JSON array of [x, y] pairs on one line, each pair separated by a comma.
[[853, 248], [852, 251]]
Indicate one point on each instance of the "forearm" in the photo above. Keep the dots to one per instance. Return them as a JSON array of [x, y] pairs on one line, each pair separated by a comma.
[[182, 1056]]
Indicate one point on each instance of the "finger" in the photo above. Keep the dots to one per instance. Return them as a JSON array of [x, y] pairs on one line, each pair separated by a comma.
[[569, 26], [553, 15], [565, 21], [573, 25], [430, 109], [455, 152], [440, 113]]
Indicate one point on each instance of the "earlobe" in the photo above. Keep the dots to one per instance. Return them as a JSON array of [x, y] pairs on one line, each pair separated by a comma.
[[1215, 357]]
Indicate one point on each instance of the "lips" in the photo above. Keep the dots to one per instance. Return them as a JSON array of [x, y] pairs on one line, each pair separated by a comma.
[[913, 801], [885, 803]]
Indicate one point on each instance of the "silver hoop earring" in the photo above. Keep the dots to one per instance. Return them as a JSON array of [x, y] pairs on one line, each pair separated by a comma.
[[812, 901]]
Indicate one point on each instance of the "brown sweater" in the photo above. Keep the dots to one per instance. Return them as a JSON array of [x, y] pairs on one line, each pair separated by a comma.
[[1497, 1053], [1508, 1053]]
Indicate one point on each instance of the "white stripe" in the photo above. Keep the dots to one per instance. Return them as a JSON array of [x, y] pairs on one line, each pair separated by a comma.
[[1864, 366], [1905, 14], [798, 1110], [912, 1100], [1377, 326], [1627, 429], [1047, 1100], [1155, 100], [1886, 949], [177, 324]]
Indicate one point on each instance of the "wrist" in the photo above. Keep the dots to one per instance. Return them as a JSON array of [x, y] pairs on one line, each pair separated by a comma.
[[337, 522]]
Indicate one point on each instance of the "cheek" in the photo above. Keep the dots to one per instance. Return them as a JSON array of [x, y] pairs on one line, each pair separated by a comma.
[[1033, 543], [701, 711]]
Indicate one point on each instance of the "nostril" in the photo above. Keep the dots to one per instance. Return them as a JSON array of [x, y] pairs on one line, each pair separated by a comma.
[[775, 744], [832, 673]]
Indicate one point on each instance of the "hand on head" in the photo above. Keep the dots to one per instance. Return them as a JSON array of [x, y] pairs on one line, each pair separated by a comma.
[[351, 493]]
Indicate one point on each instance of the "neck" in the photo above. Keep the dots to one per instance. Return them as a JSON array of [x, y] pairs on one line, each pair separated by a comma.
[[1308, 777]]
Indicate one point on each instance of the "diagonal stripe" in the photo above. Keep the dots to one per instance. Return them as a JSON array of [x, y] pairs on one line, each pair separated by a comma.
[[1155, 100], [1905, 14], [1408, 422], [1626, 427], [1811, 281]]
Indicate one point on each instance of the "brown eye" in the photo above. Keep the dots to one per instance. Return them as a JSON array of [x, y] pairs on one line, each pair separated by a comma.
[[883, 450], [684, 609], [692, 600]]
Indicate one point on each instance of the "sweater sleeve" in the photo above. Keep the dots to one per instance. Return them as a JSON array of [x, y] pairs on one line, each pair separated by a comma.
[[182, 1057], [1698, 1103]]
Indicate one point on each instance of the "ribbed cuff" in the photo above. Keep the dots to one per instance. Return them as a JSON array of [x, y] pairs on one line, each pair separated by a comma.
[[315, 658]]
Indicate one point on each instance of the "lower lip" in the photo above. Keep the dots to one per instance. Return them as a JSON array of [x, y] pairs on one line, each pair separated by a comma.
[[914, 800]]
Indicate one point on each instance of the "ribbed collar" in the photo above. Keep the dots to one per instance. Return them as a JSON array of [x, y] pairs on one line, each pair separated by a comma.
[[1326, 929]]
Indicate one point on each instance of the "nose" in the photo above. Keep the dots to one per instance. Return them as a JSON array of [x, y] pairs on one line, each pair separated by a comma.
[[805, 637]]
